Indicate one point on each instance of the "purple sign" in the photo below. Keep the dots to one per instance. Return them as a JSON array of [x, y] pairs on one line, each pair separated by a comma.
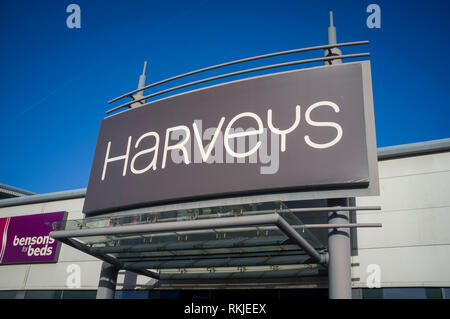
[[25, 239]]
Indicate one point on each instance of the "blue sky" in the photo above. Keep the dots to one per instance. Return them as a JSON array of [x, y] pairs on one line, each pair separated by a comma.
[[55, 82]]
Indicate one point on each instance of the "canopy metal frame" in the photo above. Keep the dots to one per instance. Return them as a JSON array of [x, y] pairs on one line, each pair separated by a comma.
[[329, 58], [72, 237]]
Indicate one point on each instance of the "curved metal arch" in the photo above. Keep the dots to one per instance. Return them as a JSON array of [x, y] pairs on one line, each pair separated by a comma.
[[262, 68], [217, 66]]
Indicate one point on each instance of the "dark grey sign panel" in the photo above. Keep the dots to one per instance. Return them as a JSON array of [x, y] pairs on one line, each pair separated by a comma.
[[291, 131]]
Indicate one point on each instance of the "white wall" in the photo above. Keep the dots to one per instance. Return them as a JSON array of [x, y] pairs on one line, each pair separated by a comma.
[[413, 246]]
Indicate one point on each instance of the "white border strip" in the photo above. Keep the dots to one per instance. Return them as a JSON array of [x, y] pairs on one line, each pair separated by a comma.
[[4, 239]]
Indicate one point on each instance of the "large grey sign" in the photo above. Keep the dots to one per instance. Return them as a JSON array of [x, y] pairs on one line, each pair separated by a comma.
[[299, 130]]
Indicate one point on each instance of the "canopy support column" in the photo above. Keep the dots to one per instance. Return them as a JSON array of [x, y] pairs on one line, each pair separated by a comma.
[[107, 283], [339, 263]]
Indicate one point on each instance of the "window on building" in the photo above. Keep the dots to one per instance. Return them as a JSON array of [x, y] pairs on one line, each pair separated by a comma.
[[131, 294], [43, 294], [412, 293], [402, 293], [446, 293], [373, 293], [8, 294], [433, 293], [79, 294]]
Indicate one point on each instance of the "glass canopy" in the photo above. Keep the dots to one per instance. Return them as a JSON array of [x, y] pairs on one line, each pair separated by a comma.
[[250, 251]]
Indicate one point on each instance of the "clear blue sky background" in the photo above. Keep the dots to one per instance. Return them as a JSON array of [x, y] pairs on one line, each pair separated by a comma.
[[55, 81]]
